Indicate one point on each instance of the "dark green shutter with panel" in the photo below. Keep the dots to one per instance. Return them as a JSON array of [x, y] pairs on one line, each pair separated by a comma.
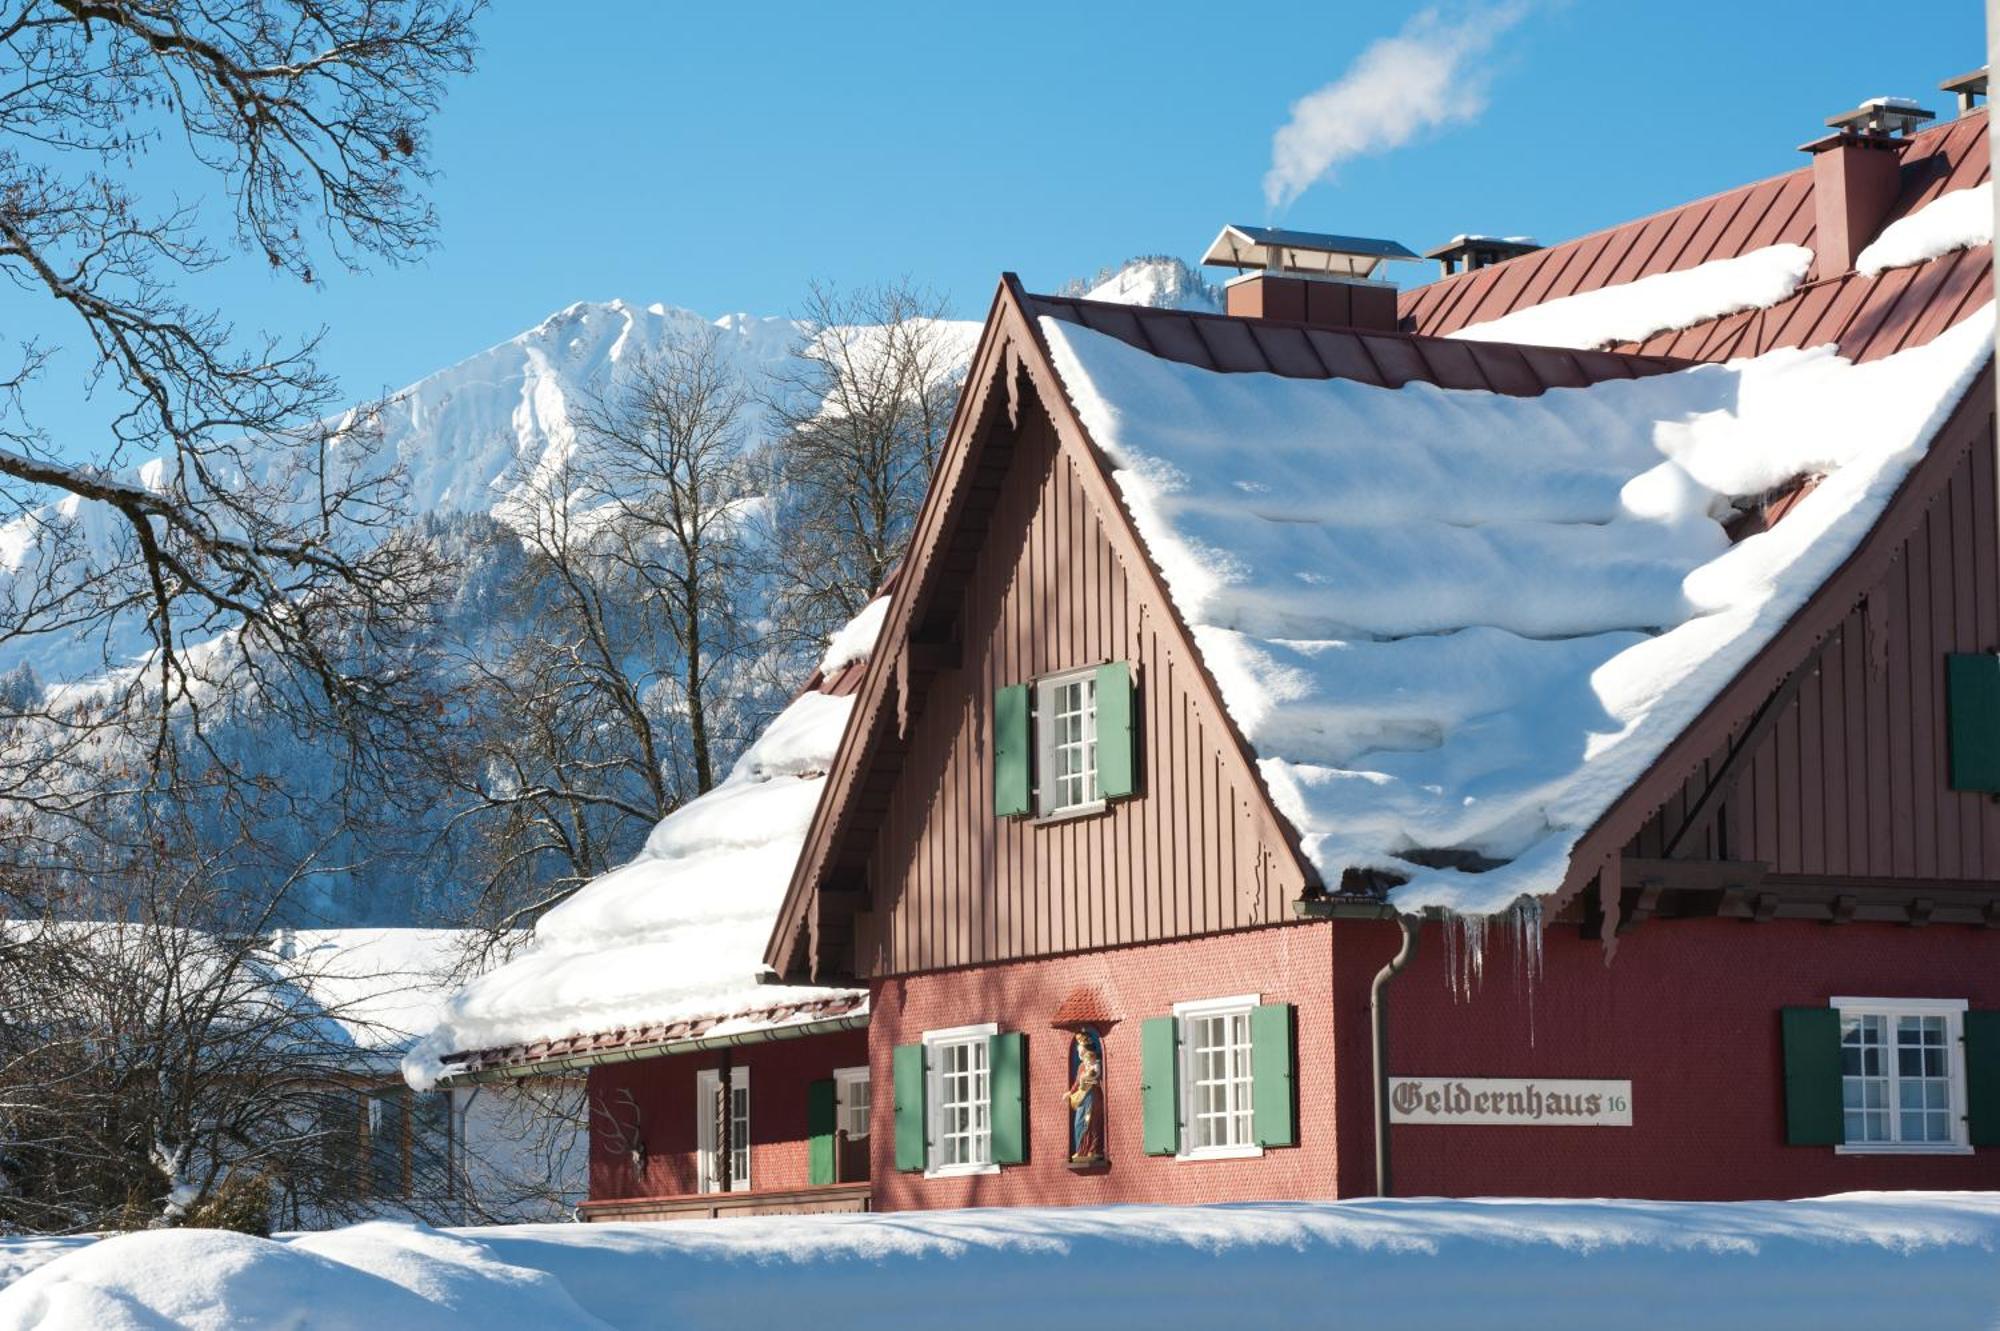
[[910, 1136], [1273, 1094], [1013, 741], [1117, 737], [1007, 1071], [819, 1132], [1159, 1084], [1812, 1076], [1975, 721], [1982, 1077]]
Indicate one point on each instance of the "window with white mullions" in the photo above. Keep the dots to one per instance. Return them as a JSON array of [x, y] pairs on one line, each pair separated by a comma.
[[1066, 709], [960, 1090], [1217, 1078], [1902, 1075]]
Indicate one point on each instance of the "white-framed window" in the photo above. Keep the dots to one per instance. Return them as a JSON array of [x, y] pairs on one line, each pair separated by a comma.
[[707, 1083], [1066, 744], [850, 1102], [959, 1088], [1216, 1079], [1902, 1082]]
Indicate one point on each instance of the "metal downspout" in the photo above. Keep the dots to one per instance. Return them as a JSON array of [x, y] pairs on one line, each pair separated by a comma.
[[1378, 1008]]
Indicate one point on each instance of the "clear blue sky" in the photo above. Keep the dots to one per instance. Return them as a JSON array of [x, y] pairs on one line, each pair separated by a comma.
[[718, 156]]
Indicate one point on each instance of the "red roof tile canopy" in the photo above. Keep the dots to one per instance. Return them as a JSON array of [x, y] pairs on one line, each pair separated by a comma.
[[1388, 360], [1868, 317]]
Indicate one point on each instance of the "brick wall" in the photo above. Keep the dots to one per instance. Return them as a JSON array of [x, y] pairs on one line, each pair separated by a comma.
[[1290, 964], [663, 1089], [1688, 1012]]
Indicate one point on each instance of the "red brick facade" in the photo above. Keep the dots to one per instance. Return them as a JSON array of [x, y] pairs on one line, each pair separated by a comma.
[[1289, 964]]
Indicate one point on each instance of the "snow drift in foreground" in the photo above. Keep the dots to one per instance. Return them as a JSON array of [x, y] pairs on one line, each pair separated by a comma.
[[1457, 623], [1664, 302], [1861, 1261], [1955, 221], [679, 932]]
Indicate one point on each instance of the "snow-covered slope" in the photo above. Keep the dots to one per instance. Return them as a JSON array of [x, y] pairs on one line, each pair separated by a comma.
[[1157, 280]]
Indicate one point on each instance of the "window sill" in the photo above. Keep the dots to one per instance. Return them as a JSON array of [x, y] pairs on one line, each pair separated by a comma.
[[1904, 1148], [1075, 811], [1222, 1153], [960, 1171]]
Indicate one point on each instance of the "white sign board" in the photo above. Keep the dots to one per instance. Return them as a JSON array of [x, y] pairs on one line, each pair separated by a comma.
[[1511, 1101]]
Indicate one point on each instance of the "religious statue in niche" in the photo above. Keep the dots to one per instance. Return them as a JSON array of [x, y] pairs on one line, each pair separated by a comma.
[[1085, 1097]]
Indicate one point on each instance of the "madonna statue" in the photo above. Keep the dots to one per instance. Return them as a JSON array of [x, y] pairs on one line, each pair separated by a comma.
[[1086, 1098]]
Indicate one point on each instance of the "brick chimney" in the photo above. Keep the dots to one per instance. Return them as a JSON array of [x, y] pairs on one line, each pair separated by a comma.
[[1305, 277], [1857, 176]]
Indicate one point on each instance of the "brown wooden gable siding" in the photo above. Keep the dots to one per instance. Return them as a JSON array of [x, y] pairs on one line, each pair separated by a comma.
[[952, 885], [1868, 317], [1929, 569], [1851, 783]]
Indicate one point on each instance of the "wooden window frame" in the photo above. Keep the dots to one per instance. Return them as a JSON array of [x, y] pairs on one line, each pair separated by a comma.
[[843, 1121], [978, 1038], [1186, 1018], [706, 1083], [1043, 719], [1952, 1010]]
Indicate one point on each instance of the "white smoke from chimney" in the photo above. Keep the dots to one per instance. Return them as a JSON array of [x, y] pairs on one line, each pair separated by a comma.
[[1427, 76]]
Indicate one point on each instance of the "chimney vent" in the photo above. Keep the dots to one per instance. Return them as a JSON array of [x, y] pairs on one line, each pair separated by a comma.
[[1969, 87], [1306, 277], [1857, 174], [1480, 251]]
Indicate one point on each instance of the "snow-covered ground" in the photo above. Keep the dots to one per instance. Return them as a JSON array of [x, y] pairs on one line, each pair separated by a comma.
[[1929, 1260]]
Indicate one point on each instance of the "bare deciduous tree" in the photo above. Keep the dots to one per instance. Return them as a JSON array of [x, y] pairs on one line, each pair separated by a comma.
[[212, 506], [862, 415], [636, 681]]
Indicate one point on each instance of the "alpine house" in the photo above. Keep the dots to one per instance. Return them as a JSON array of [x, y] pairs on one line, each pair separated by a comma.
[[1539, 731], [1588, 659]]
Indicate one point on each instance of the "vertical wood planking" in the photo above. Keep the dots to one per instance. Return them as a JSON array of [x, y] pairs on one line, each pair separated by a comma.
[[955, 886]]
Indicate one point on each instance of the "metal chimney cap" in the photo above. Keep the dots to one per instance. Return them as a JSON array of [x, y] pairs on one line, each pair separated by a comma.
[[1882, 115], [1302, 253]]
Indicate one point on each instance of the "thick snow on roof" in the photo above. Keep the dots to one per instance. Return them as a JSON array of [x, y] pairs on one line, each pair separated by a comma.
[[384, 987], [1907, 1259], [679, 932], [1634, 311], [1455, 621], [1954, 221]]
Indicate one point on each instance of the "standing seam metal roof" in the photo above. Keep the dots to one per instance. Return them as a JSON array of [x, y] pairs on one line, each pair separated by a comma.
[[1868, 317]]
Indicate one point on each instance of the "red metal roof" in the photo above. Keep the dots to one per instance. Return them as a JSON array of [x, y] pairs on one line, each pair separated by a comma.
[[1389, 360], [1868, 317]]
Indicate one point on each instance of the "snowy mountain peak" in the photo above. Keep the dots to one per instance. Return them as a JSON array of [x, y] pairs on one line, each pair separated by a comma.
[[1158, 280]]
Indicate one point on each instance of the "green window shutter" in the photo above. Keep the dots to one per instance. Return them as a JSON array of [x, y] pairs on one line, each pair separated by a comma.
[[1974, 717], [1007, 1076], [1273, 1095], [1982, 1076], [1159, 1084], [819, 1133], [1117, 739], [1013, 741], [910, 1135], [1812, 1076]]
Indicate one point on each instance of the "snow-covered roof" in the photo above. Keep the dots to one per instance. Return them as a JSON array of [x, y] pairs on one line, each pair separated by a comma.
[[677, 935], [1455, 626], [383, 987]]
